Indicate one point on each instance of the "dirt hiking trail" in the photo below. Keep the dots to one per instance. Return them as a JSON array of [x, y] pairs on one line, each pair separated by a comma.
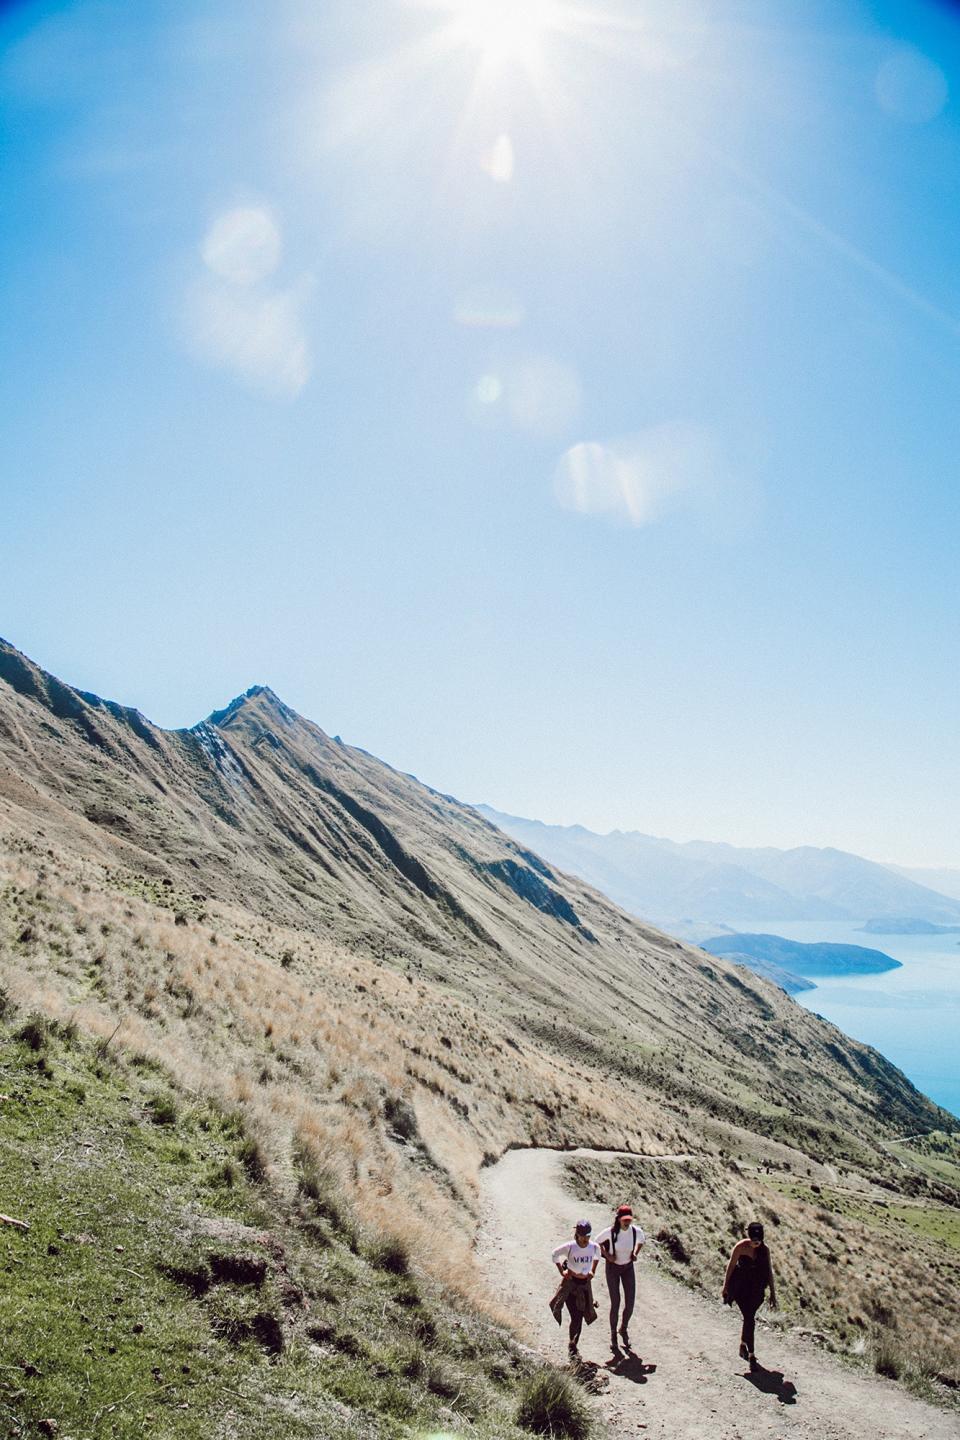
[[685, 1381]]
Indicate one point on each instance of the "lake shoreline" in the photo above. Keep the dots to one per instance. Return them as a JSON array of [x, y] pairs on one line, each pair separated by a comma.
[[911, 1014]]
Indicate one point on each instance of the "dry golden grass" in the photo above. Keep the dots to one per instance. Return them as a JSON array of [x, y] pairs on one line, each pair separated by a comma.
[[398, 1092], [315, 1048], [387, 987]]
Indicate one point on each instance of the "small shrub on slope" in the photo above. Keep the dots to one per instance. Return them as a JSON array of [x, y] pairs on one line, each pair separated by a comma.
[[887, 1355], [163, 1110], [391, 1254], [551, 1404], [35, 1033]]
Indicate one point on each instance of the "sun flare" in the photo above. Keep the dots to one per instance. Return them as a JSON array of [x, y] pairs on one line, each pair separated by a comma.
[[505, 32]]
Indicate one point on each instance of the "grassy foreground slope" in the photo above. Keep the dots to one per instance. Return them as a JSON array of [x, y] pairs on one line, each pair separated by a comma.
[[164, 1289], [382, 985]]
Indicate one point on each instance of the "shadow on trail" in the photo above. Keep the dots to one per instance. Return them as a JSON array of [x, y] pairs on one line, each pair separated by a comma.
[[771, 1382], [589, 1374], [631, 1367]]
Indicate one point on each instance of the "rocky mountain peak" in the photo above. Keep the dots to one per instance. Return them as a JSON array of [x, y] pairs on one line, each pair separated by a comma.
[[258, 704]]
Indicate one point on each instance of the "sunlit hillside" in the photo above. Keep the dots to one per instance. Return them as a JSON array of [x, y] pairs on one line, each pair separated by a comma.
[[388, 992]]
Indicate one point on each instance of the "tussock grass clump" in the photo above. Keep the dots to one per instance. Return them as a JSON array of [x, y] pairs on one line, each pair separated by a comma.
[[441, 1379], [238, 1317], [226, 1175], [674, 1246], [401, 1117], [35, 1034], [163, 1109], [392, 1253], [551, 1404], [927, 1371], [253, 1158], [319, 1183], [348, 1342], [887, 1355]]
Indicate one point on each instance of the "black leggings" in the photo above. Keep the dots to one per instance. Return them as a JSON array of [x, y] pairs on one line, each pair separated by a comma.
[[617, 1276], [748, 1309], [576, 1321]]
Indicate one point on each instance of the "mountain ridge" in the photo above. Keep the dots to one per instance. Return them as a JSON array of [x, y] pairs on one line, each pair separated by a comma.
[[390, 993], [316, 833]]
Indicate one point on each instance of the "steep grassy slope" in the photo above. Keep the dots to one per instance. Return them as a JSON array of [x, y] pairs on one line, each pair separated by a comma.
[[258, 808], [161, 1289], [380, 983]]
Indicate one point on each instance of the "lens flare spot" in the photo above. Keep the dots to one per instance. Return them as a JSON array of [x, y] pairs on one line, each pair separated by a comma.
[[544, 396], [667, 469], [911, 87], [498, 161], [243, 245], [489, 389]]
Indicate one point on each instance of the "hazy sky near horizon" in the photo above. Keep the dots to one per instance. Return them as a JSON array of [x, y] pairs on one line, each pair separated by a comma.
[[558, 398]]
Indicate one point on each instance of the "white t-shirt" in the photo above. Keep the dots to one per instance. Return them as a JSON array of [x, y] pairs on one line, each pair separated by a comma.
[[579, 1259], [624, 1242]]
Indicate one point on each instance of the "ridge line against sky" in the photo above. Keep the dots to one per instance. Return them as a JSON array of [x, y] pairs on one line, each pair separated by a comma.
[[260, 687], [559, 399], [888, 863]]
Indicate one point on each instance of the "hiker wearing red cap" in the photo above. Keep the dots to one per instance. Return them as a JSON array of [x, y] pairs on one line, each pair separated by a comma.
[[620, 1245]]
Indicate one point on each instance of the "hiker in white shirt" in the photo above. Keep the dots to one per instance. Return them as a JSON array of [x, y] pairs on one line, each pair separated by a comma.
[[577, 1262], [620, 1244]]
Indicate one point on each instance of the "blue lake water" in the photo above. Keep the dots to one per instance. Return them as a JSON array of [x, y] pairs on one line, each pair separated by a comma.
[[911, 1015]]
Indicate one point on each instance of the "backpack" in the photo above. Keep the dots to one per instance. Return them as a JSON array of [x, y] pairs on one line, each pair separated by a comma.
[[612, 1240]]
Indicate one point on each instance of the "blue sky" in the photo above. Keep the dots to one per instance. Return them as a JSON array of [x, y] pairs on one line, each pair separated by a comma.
[[561, 401]]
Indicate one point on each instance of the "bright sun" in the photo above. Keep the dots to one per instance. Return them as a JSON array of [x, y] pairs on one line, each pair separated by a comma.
[[504, 31]]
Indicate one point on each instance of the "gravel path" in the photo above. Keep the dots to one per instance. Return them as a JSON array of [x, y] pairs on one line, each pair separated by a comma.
[[690, 1384]]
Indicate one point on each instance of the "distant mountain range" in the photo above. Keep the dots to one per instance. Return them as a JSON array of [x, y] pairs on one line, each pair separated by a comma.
[[902, 925], [703, 881], [945, 880]]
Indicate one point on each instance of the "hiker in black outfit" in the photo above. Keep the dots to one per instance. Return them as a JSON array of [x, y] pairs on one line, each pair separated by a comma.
[[621, 1245], [749, 1276]]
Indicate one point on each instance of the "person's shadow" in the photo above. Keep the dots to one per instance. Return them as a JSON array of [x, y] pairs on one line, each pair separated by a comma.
[[630, 1367], [771, 1382]]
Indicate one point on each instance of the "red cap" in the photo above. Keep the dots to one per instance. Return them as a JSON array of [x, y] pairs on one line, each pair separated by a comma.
[[624, 1210]]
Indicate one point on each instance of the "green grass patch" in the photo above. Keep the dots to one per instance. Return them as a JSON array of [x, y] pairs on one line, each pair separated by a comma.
[[163, 1289], [936, 1155], [551, 1404], [940, 1223]]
